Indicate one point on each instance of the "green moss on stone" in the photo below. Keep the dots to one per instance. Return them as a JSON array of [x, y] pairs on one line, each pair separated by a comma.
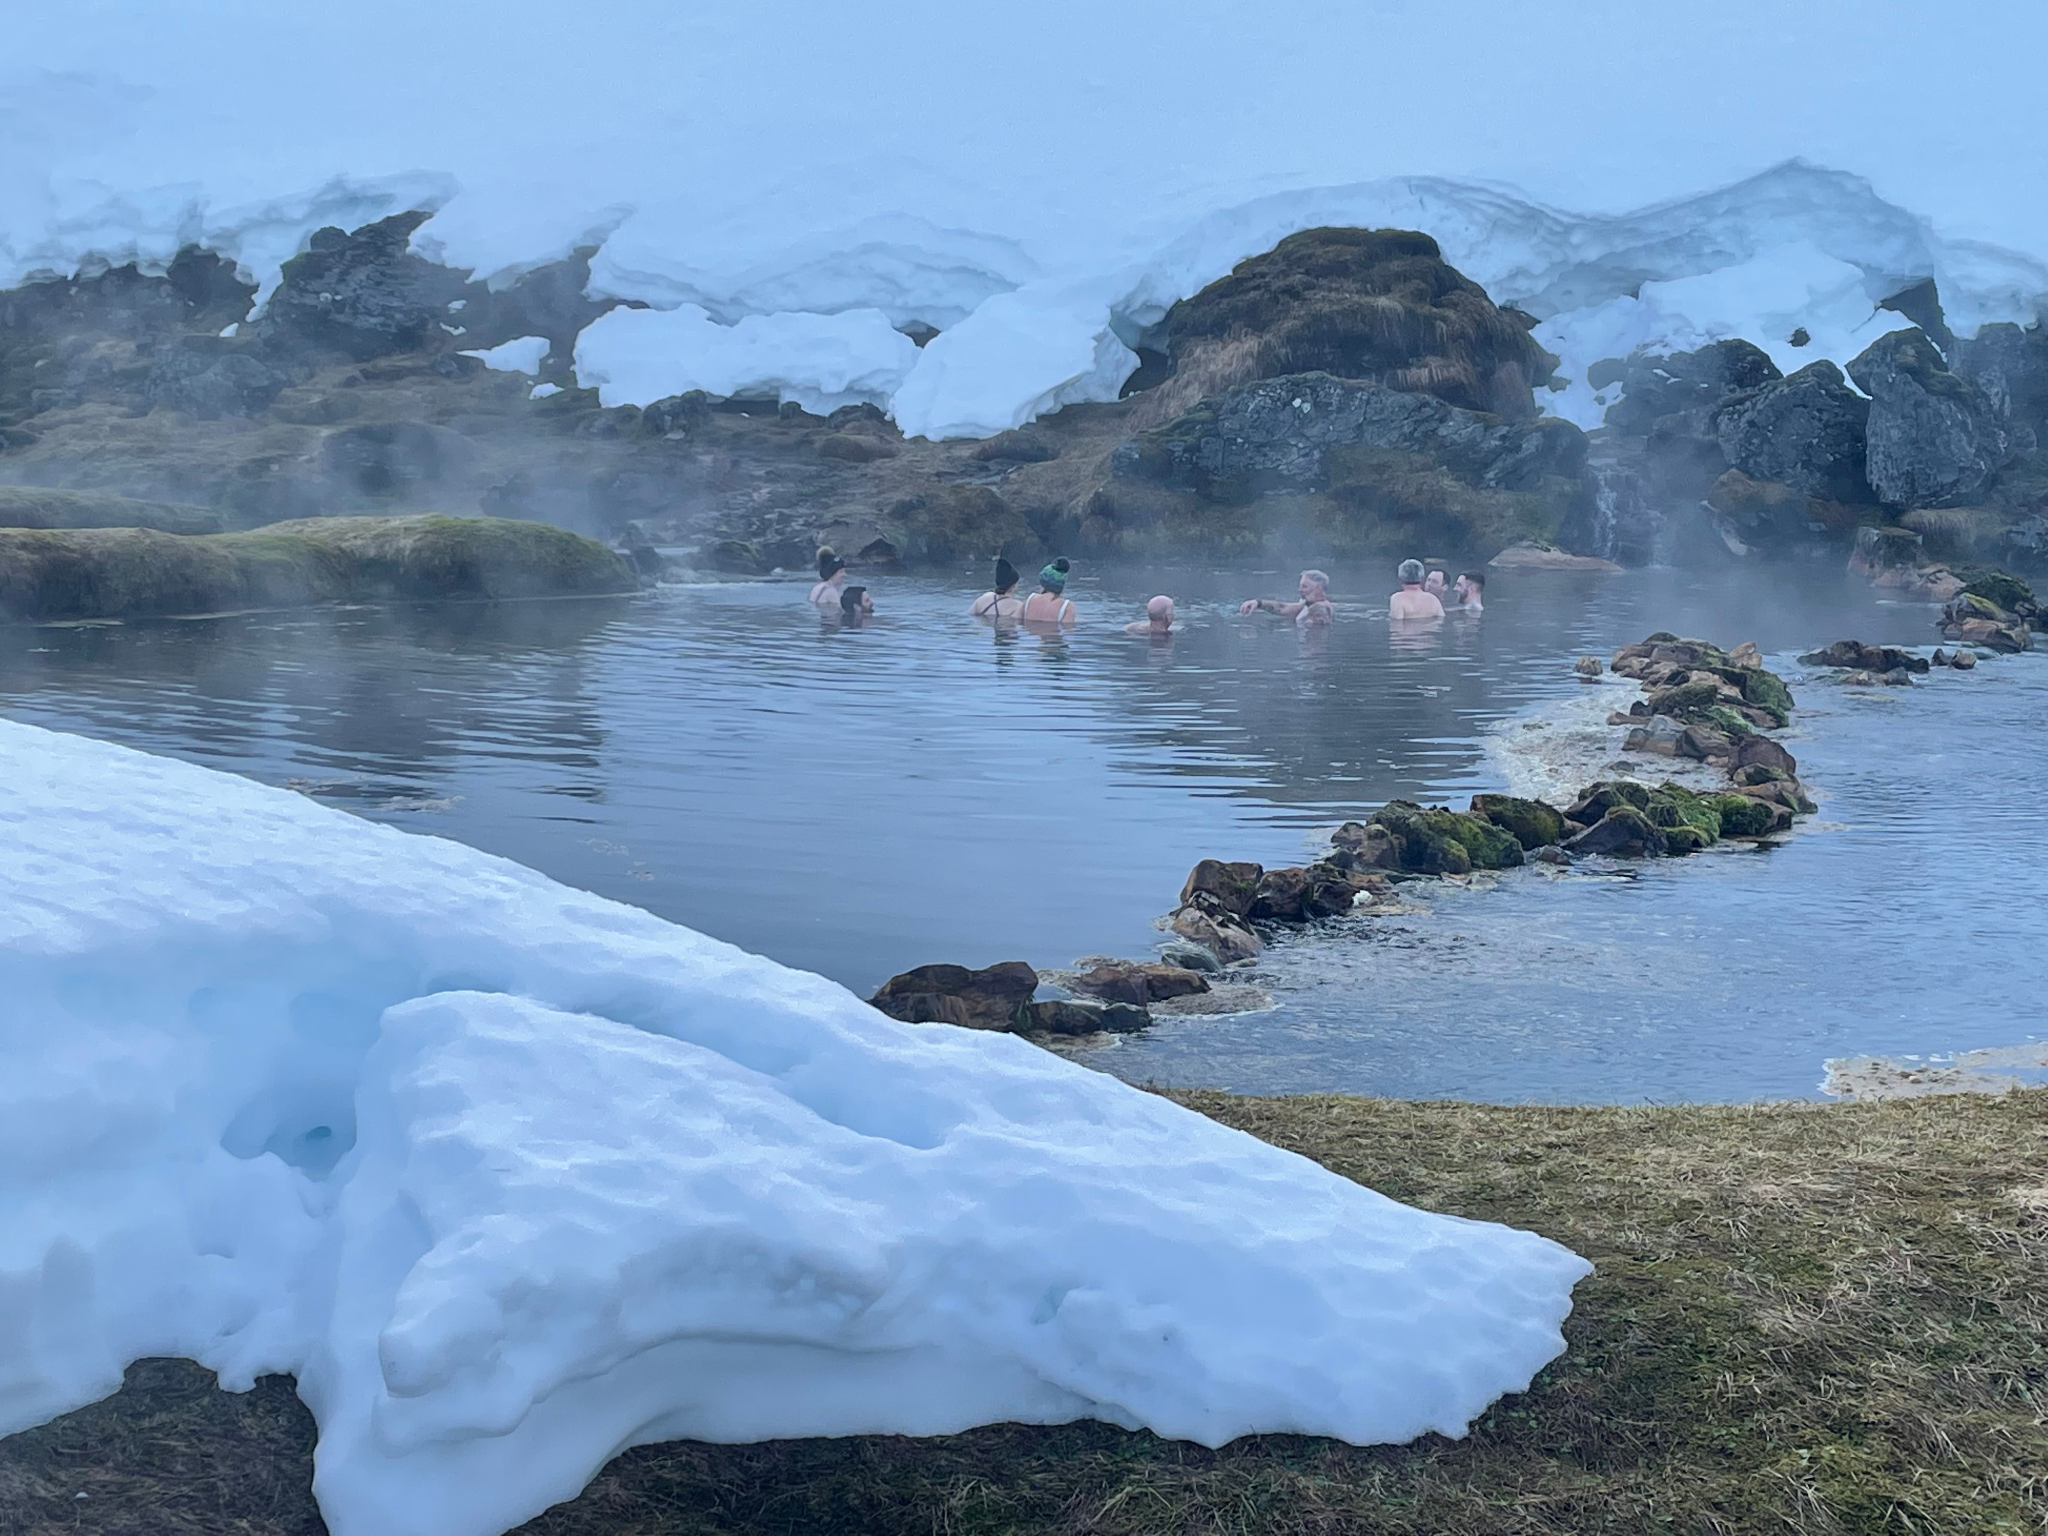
[[1742, 816], [1532, 823]]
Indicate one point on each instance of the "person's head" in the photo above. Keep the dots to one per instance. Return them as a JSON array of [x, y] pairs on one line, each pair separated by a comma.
[[1410, 573], [854, 601], [1470, 585], [1053, 578], [1160, 612], [1434, 582], [1006, 576], [829, 564], [1314, 586]]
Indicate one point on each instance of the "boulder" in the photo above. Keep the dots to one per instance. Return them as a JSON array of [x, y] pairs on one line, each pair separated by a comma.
[[1933, 437], [2007, 592], [1706, 744], [1380, 306], [1137, 981], [1963, 661], [1659, 735], [1680, 384], [1588, 669], [1871, 658], [995, 997], [1761, 751], [1747, 816], [1622, 833], [1302, 895], [1437, 841], [1597, 800], [1366, 845], [1805, 431], [1531, 823], [2010, 367], [1017, 447], [1231, 885], [1205, 921], [1067, 1016]]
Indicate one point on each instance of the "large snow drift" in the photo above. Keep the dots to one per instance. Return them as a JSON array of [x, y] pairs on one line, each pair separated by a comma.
[[1041, 182], [512, 1177]]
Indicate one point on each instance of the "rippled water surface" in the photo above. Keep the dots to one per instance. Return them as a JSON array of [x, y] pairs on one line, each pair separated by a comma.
[[859, 801]]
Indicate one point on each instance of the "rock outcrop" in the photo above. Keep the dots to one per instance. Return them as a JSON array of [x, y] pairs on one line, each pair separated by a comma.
[[994, 997], [1805, 431], [1378, 306], [1933, 437]]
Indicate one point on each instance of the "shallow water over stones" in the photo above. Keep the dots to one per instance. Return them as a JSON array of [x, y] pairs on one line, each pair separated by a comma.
[[859, 802]]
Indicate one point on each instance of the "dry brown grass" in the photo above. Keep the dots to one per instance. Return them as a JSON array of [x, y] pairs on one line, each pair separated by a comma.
[[1807, 1320]]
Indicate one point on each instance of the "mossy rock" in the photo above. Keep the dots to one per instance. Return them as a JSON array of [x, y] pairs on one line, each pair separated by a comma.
[[1742, 816], [1597, 800], [1673, 806], [1680, 840], [1687, 698], [33, 506], [1425, 848], [1766, 690], [1533, 824], [1726, 718], [2006, 591], [1486, 845]]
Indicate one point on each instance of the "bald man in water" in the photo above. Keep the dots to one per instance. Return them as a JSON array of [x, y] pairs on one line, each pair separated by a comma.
[[1412, 602]]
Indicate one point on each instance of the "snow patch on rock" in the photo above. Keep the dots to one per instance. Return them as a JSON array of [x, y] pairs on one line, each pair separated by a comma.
[[522, 354], [638, 356]]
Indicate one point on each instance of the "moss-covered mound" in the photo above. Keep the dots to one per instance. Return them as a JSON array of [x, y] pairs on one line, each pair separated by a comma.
[[1379, 305], [106, 573], [34, 506], [1803, 1320]]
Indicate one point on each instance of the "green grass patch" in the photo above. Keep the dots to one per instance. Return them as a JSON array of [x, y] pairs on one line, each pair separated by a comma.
[[1807, 1319], [103, 573]]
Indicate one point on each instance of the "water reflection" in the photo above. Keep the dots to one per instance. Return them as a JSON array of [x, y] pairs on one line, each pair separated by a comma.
[[980, 792]]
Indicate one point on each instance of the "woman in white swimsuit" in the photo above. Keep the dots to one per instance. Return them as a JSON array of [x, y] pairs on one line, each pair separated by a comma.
[[1047, 605]]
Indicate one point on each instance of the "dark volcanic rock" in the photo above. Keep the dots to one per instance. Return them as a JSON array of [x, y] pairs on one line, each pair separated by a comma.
[[1378, 305], [1138, 981], [997, 997], [1064, 1016], [1658, 386], [1232, 885], [212, 378], [1278, 434], [1805, 431], [1623, 833], [1857, 656], [2010, 366], [362, 294], [1934, 438]]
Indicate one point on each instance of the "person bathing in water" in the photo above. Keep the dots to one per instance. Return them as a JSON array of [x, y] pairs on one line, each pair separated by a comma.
[[855, 606], [1002, 602], [1469, 590], [1433, 584], [1158, 620], [831, 579], [1047, 605], [1412, 601], [1314, 607]]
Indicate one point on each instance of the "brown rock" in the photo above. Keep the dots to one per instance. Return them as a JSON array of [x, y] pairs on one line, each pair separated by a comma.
[[992, 998], [1062, 1016], [1232, 885], [1761, 751], [1705, 743], [1623, 833], [1206, 922], [1138, 981]]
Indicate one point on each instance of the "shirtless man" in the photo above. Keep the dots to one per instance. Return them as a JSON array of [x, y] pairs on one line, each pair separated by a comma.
[[1158, 620], [831, 580], [1314, 607], [1412, 602], [1468, 591]]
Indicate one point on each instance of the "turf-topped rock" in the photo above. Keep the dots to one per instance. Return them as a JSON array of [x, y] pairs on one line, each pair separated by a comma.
[[1977, 620], [1692, 679], [112, 573], [34, 506], [1531, 823], [1596, 800], [1438, 841]]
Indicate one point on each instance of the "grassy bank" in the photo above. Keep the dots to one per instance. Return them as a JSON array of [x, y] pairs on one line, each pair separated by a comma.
[[34, 506], [1810, 1319], [113, 573]]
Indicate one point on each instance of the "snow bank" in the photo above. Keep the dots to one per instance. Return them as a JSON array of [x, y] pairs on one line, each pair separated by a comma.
[[522, 354], [1047, 180], [638, 356], [513, 1177]]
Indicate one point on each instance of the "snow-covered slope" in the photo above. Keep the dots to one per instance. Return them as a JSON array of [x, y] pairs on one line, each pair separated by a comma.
[[1039, 183], [512, 1177]]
